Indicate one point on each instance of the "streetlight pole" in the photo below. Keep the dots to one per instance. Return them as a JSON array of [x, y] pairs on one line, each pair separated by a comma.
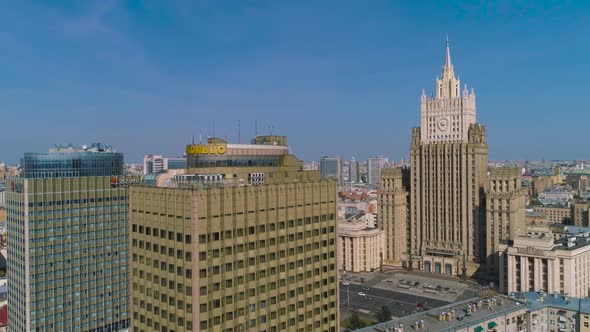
[[348, 296]]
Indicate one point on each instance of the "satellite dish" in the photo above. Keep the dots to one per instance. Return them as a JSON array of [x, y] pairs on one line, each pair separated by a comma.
[[84, 147]]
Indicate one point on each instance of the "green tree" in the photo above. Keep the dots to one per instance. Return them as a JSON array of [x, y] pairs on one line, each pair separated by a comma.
[[383, 314], [354, 322]]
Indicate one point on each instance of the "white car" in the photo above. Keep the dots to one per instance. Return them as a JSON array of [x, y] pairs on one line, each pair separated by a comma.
[[346, 283], [362, 294]]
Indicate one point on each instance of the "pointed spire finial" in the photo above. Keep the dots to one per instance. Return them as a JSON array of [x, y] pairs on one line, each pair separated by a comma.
[[447, 54]]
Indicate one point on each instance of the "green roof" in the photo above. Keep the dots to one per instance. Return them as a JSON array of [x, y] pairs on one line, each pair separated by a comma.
[[491, 325], [478, 329]]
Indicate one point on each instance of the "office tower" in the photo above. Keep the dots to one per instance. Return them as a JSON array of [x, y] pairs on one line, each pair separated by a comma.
[[393, 214], [374, 166], [68, 243], [345, 172], [505, 203], [158, 164], [448, 177], [331, 168], [355, 176], [245, 241]]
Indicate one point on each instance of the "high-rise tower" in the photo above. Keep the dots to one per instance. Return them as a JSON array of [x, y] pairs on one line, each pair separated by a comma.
[[245, 241], [68, 242], [448, 179]]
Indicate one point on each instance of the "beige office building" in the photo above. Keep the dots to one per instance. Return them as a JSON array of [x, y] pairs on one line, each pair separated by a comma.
[[555, 214], [505, 214], [448, 178], [359, 247], [245, 241], [392, 204], [579, 213], [543, 261]]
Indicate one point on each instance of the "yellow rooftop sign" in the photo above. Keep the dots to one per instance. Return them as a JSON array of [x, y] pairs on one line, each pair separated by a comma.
[[203, 149]]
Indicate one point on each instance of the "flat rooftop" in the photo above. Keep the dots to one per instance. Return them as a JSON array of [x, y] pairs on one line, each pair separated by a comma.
[[458, 315], [536, 300]]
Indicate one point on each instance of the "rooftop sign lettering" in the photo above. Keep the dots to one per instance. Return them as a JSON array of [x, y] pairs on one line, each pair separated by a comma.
[[214, 149]]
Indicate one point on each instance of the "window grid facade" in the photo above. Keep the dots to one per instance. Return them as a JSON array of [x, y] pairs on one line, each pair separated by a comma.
[[68, 255], [260, 258]]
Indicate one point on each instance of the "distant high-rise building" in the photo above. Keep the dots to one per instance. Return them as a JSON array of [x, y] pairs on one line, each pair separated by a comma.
[[345, 172], [354, 169], [374, 166], [448, 179], [331, 168], [158, 164], [244, 241], [2, 193], [68, 243]]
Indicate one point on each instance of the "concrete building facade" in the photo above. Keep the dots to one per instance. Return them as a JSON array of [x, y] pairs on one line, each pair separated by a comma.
[[159, 164], [246, 242], [448, 179], [359, 247], [505, 214], [555, 214], [393, 216], [544, 260], [579, 215]]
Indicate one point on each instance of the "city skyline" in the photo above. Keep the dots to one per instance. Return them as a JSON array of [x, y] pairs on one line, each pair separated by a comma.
[[144, 69], [271, 166]]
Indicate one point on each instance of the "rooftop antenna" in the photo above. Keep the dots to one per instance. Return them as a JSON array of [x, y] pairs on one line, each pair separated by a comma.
[[201, 136], [255, 128], [193, 139], [239, 133]]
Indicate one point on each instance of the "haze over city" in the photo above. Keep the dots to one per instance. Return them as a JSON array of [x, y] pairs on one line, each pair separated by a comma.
[[266, 166], [337, 78]]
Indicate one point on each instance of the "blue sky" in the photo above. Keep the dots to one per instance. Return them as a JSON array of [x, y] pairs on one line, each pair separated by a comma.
[[336, 77]]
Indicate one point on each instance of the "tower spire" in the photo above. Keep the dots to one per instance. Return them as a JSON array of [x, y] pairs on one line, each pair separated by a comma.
[[448, 54]]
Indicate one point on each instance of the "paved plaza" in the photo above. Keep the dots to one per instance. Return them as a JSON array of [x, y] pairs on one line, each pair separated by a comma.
[[403, 292]]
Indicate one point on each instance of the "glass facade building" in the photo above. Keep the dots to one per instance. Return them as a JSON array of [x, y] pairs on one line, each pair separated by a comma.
[[66, 164], [233, 161], [330, 168], [68, 243]]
